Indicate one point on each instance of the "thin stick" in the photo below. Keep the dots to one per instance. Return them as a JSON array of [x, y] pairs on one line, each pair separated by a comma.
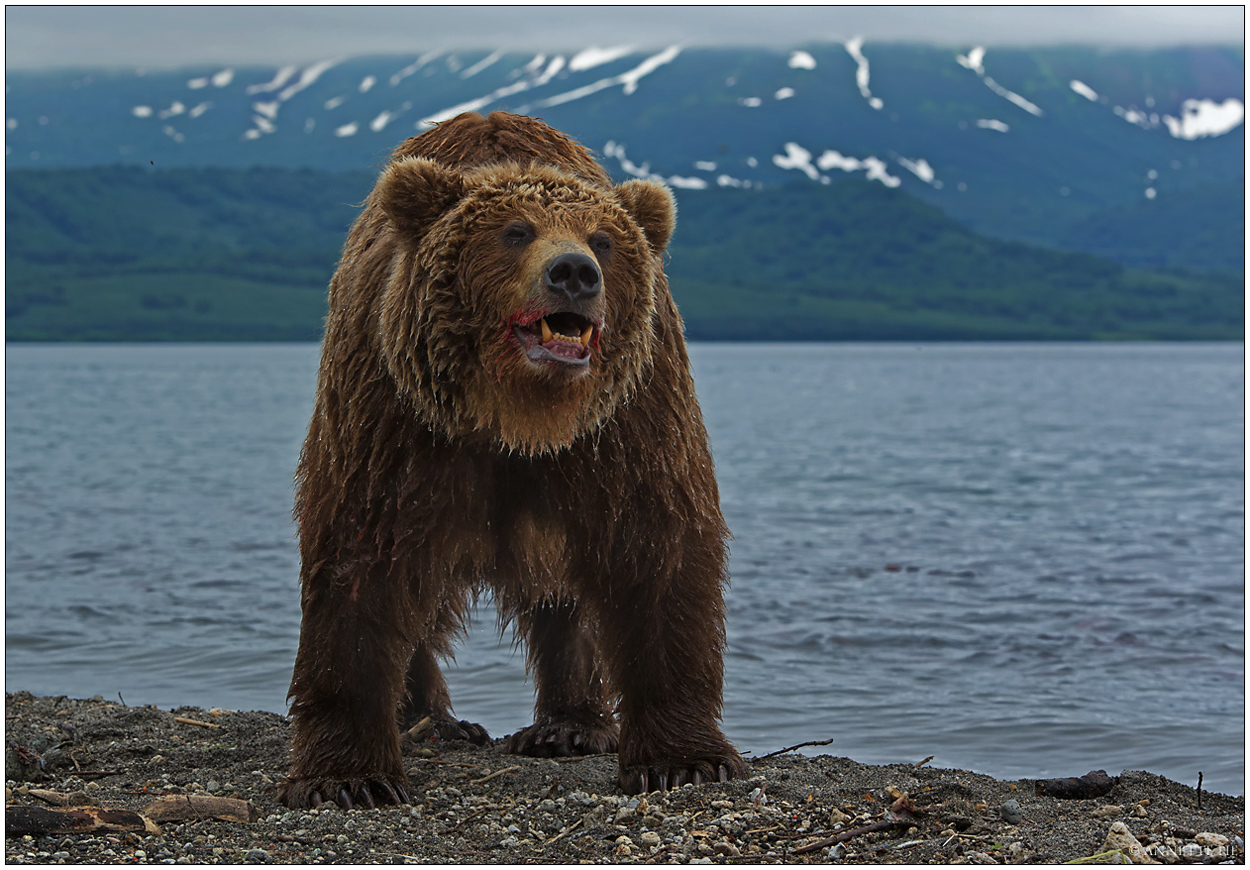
[[794, 747], [491, 776], [884, 825], [565, 831], [185, 721]]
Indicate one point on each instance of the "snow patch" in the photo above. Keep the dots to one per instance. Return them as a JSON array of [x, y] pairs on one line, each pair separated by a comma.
[[280, 78], [991, 124], [798, 157], [1201, 118], [481, 65], [414, 66], [705, 165], [854, 49], [223, 78], [199, 110], [973, 60], [11, 123], [267, 109], [141, 111], [196, 84], [263, 124], [920, 168], [175, 108], [347, 130], [308, 77], [1084, 90], [801, 60], [628, 79], [749, 102], [687, 183], [784, 94], [334, 102], [1015, 98], [367, 83], [589, 58]]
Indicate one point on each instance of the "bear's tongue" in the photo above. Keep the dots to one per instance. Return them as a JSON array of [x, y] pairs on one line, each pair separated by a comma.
[[561, 339]]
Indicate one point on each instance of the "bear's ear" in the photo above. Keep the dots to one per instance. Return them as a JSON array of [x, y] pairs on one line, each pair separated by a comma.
[[415, 192], [651, 205]]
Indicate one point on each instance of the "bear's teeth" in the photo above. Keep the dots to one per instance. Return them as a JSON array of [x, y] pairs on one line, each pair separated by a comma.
[[586, 334], [546, 331]]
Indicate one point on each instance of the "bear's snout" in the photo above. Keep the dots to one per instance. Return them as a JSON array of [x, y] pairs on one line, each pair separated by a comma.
[[573, 276]]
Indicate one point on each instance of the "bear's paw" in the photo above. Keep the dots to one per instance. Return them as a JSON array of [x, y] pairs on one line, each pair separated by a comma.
[[665, 775], [562, 740], [299, 792]]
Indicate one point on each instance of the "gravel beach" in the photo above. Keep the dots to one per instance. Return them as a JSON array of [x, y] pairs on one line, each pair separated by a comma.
[[204, 780]]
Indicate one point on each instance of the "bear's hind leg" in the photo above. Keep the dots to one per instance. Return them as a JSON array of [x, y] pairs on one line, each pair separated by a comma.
[[427, 696], [571, 714]]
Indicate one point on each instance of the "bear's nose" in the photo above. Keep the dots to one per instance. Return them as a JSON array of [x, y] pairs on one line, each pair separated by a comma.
[[573, 276]]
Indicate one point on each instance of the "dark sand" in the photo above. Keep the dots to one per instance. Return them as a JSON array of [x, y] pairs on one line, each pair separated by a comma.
[[478, 805]]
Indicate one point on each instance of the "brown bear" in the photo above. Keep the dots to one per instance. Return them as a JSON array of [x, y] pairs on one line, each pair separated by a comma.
[[505, 403]]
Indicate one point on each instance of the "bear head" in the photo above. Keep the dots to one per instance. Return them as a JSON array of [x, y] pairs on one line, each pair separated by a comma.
[[520, 303]]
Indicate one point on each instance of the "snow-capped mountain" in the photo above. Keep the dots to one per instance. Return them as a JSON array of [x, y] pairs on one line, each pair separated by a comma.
[[1022, 143]]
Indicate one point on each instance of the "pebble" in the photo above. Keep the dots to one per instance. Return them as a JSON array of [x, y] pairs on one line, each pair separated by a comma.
[[649, 838], [1120, 837], [1109, 811], [1011, 812], [1207, 838]]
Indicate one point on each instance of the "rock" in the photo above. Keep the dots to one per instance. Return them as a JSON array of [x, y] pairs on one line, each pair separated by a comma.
[[1207, 838], [1120, 837], [1110, 811], [981, 858], [1163, 853], [837, 817], [258, 856], [728, 849], [649, 839], [1011, 812]]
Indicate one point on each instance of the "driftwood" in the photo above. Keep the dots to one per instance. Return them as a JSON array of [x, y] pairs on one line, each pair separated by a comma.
[[177, 807], [1094, 784], [19, 820], [883, 825], [64, 799], [794, 747]]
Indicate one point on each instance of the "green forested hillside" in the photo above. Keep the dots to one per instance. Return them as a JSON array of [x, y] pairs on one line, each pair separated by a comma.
[[220, 254]]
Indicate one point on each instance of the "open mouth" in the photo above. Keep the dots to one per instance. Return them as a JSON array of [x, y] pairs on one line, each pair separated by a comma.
[[561, 337]]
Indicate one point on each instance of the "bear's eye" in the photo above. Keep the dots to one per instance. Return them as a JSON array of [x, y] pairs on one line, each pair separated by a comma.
[[518, 233], [601, 244]]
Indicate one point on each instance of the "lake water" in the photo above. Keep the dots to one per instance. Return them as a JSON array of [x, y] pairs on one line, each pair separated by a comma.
[[1025, 560]]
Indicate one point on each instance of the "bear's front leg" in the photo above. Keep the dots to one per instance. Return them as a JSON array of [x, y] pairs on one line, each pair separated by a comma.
[[345, 691], [665, 641], [571, 713]]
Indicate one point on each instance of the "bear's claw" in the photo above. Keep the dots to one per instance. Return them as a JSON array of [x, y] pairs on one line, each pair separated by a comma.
[[301, 794], [562, 740], [640, 779]]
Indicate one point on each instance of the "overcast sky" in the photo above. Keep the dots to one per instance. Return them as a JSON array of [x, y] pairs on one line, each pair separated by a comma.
[[165, 36]]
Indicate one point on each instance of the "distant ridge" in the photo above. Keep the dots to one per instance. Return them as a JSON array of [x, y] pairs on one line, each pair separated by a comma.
[[210, 254], [1060, 146]]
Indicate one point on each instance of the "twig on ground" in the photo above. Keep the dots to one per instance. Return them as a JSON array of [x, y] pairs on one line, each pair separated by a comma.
[[183, 720], [794, 747], [491, 776], [884, 825]]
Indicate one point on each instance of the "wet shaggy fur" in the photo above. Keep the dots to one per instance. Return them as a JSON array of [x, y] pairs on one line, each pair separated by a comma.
[[441, 460]]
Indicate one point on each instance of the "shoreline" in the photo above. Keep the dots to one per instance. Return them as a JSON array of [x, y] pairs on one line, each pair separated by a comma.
[[479, 805]]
